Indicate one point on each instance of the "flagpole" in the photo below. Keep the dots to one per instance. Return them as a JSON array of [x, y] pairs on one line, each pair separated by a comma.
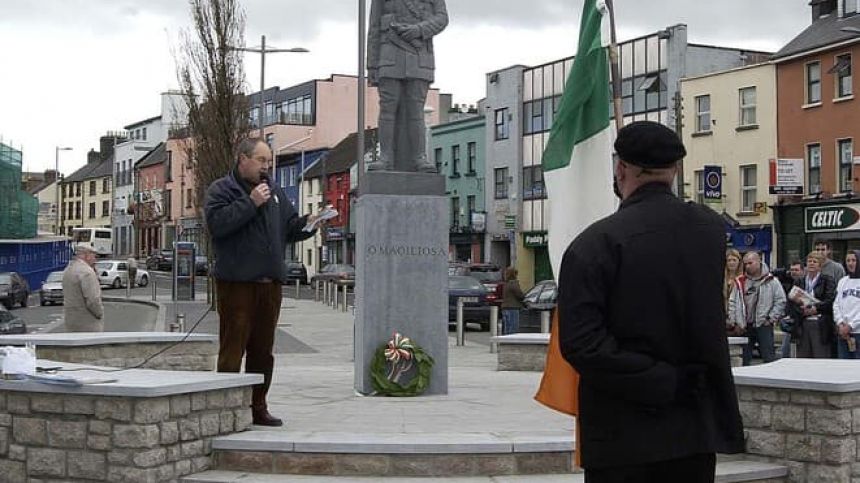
[[614, 70]]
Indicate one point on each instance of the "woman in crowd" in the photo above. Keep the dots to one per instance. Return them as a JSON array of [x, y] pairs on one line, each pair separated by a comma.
[[846, 309], [813, 320], [512, 302], [733, 270]]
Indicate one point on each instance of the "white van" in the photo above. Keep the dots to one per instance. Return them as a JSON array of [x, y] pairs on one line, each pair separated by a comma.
[[99, 239]]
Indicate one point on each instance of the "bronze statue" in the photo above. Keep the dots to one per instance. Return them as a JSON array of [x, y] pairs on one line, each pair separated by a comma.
[[400, 63]]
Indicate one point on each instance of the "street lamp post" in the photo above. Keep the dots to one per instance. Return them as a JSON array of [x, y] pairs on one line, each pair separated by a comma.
[[263, 50], [57, 150]]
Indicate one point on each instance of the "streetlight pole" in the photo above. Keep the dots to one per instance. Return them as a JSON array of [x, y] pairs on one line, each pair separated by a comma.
[[263, 51], [57, 150], [362, 64]]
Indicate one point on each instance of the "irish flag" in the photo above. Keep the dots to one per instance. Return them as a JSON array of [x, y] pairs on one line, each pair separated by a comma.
[[577, 161], [577, 166]]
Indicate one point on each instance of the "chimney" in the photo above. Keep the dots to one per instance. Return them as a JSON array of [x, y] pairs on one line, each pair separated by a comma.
[[50, 176], [93, 156]]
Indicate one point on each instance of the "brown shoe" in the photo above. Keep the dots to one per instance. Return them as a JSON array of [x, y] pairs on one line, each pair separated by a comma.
[[263, 418]]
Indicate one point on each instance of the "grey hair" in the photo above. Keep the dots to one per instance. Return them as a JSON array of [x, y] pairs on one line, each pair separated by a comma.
[[247, 147]]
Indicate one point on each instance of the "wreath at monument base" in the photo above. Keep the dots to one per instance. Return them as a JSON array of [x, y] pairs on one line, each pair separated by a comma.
[[393, 360]]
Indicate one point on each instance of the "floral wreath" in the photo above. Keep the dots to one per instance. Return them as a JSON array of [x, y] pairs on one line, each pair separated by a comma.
[[394, 359]]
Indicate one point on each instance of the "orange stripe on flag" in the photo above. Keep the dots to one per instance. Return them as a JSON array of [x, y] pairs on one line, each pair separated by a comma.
[[559, 386]]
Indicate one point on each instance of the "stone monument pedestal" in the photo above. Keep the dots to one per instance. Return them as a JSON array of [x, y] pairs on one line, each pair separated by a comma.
[[401, 270]]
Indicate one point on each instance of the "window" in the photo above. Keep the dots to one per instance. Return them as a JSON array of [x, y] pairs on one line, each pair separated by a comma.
[[471, 206], [846, 158], [748, 188], [502, 126], [437, 157], [472, 154], [270, 140], [293, 172], [188, 198], [813, 170], [144, 134], [168, 167], [78, 189], [813, 82], [455, 160], [703, 113], [533, 183], [533, 112], [105, 185], [71, 211], [500, 177], [844, 78], [92, 210], [92, 188], [166, 204], [700, 186], [747, 97], [105, 208], [455, 212]]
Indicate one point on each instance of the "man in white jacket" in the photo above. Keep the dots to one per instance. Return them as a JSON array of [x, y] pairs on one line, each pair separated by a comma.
[[846, 309], [82, 293], [756, 303]]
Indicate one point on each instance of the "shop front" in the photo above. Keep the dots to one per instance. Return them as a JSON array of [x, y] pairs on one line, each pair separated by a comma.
[[537, 243], [466, 247], [800, 225], [746, 238]]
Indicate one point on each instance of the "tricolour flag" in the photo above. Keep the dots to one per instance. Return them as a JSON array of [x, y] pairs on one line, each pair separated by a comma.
[[577, 164]]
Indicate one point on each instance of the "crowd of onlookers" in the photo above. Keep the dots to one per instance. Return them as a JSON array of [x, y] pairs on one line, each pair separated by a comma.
[[816, 304]]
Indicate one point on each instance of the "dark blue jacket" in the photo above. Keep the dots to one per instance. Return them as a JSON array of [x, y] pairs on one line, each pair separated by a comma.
[[250, 242]]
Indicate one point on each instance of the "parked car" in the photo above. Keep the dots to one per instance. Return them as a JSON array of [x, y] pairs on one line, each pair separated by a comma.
[[297, 271], [337, 272], [114, 274], [13, 289], [201, 265], [11, 323], [52, 290], [491, 277], [476, 305], [537, 299], [161, 260]]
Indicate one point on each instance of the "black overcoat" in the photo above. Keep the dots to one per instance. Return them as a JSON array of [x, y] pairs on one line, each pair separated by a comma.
[[642, 320]]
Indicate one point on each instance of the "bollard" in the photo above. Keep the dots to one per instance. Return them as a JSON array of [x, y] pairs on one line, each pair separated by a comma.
[[128, 288], [298, 288], [325, 292], [544, 321], [336, 292], [316, 290], [345, 293], [461, 336], [154, 296], [180, 322], [494, 327]]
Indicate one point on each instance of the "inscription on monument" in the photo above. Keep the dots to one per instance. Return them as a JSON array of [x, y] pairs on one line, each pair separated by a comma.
[[405, 251]]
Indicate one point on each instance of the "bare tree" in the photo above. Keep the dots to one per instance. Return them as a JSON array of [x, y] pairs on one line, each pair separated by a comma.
[[212, 78]]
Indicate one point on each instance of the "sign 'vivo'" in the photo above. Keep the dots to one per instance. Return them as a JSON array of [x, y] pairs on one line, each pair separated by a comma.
[[833, 218]]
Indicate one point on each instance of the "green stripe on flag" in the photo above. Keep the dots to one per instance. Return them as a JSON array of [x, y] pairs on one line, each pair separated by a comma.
[[584, 108]]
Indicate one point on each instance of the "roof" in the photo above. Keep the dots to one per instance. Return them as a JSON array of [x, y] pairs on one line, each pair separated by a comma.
[[141, 123], [156, 156], [342, 156], [823, 32], [92, 170]]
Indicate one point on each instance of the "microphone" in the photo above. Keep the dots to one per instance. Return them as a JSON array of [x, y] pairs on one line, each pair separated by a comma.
[[265, 177]]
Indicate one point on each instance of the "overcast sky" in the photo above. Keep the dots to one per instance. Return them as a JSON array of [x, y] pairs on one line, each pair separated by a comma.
[[71, 70]]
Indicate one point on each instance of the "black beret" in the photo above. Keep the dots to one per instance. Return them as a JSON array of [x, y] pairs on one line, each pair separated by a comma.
[[649, 144]]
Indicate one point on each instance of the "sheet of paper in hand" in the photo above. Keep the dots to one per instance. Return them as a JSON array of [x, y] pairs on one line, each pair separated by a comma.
[[327, 214], [802, 297]]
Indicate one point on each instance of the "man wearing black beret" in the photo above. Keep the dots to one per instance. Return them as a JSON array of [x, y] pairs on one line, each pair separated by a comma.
[[642, 321]]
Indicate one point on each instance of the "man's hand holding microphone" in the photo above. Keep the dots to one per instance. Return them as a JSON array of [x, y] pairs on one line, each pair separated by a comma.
[[261, 194]]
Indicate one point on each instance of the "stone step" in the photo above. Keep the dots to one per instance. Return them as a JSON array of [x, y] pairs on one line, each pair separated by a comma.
[[400, 454], [727, 472]]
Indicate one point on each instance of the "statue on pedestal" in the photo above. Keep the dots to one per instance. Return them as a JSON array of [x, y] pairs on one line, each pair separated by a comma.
[[401, 65]]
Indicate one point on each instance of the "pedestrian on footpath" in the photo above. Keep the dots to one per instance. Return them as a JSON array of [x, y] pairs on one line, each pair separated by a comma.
[[757, 303], [813, 322], [512, 302], [846, 309], [82, 293], [642, 319], [251, 223], [132, 271], [733, 270]]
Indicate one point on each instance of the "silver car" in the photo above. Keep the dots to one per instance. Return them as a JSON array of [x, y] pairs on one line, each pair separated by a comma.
[[52, 290], [114, 273]]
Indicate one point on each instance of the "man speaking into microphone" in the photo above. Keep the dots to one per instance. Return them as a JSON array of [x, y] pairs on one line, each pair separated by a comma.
[[251, 223]]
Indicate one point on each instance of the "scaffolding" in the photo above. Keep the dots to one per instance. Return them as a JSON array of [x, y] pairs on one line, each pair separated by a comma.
[[19, 211]]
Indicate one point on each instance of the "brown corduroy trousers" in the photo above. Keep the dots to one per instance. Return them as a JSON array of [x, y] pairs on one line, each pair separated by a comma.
[[248, 316]]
